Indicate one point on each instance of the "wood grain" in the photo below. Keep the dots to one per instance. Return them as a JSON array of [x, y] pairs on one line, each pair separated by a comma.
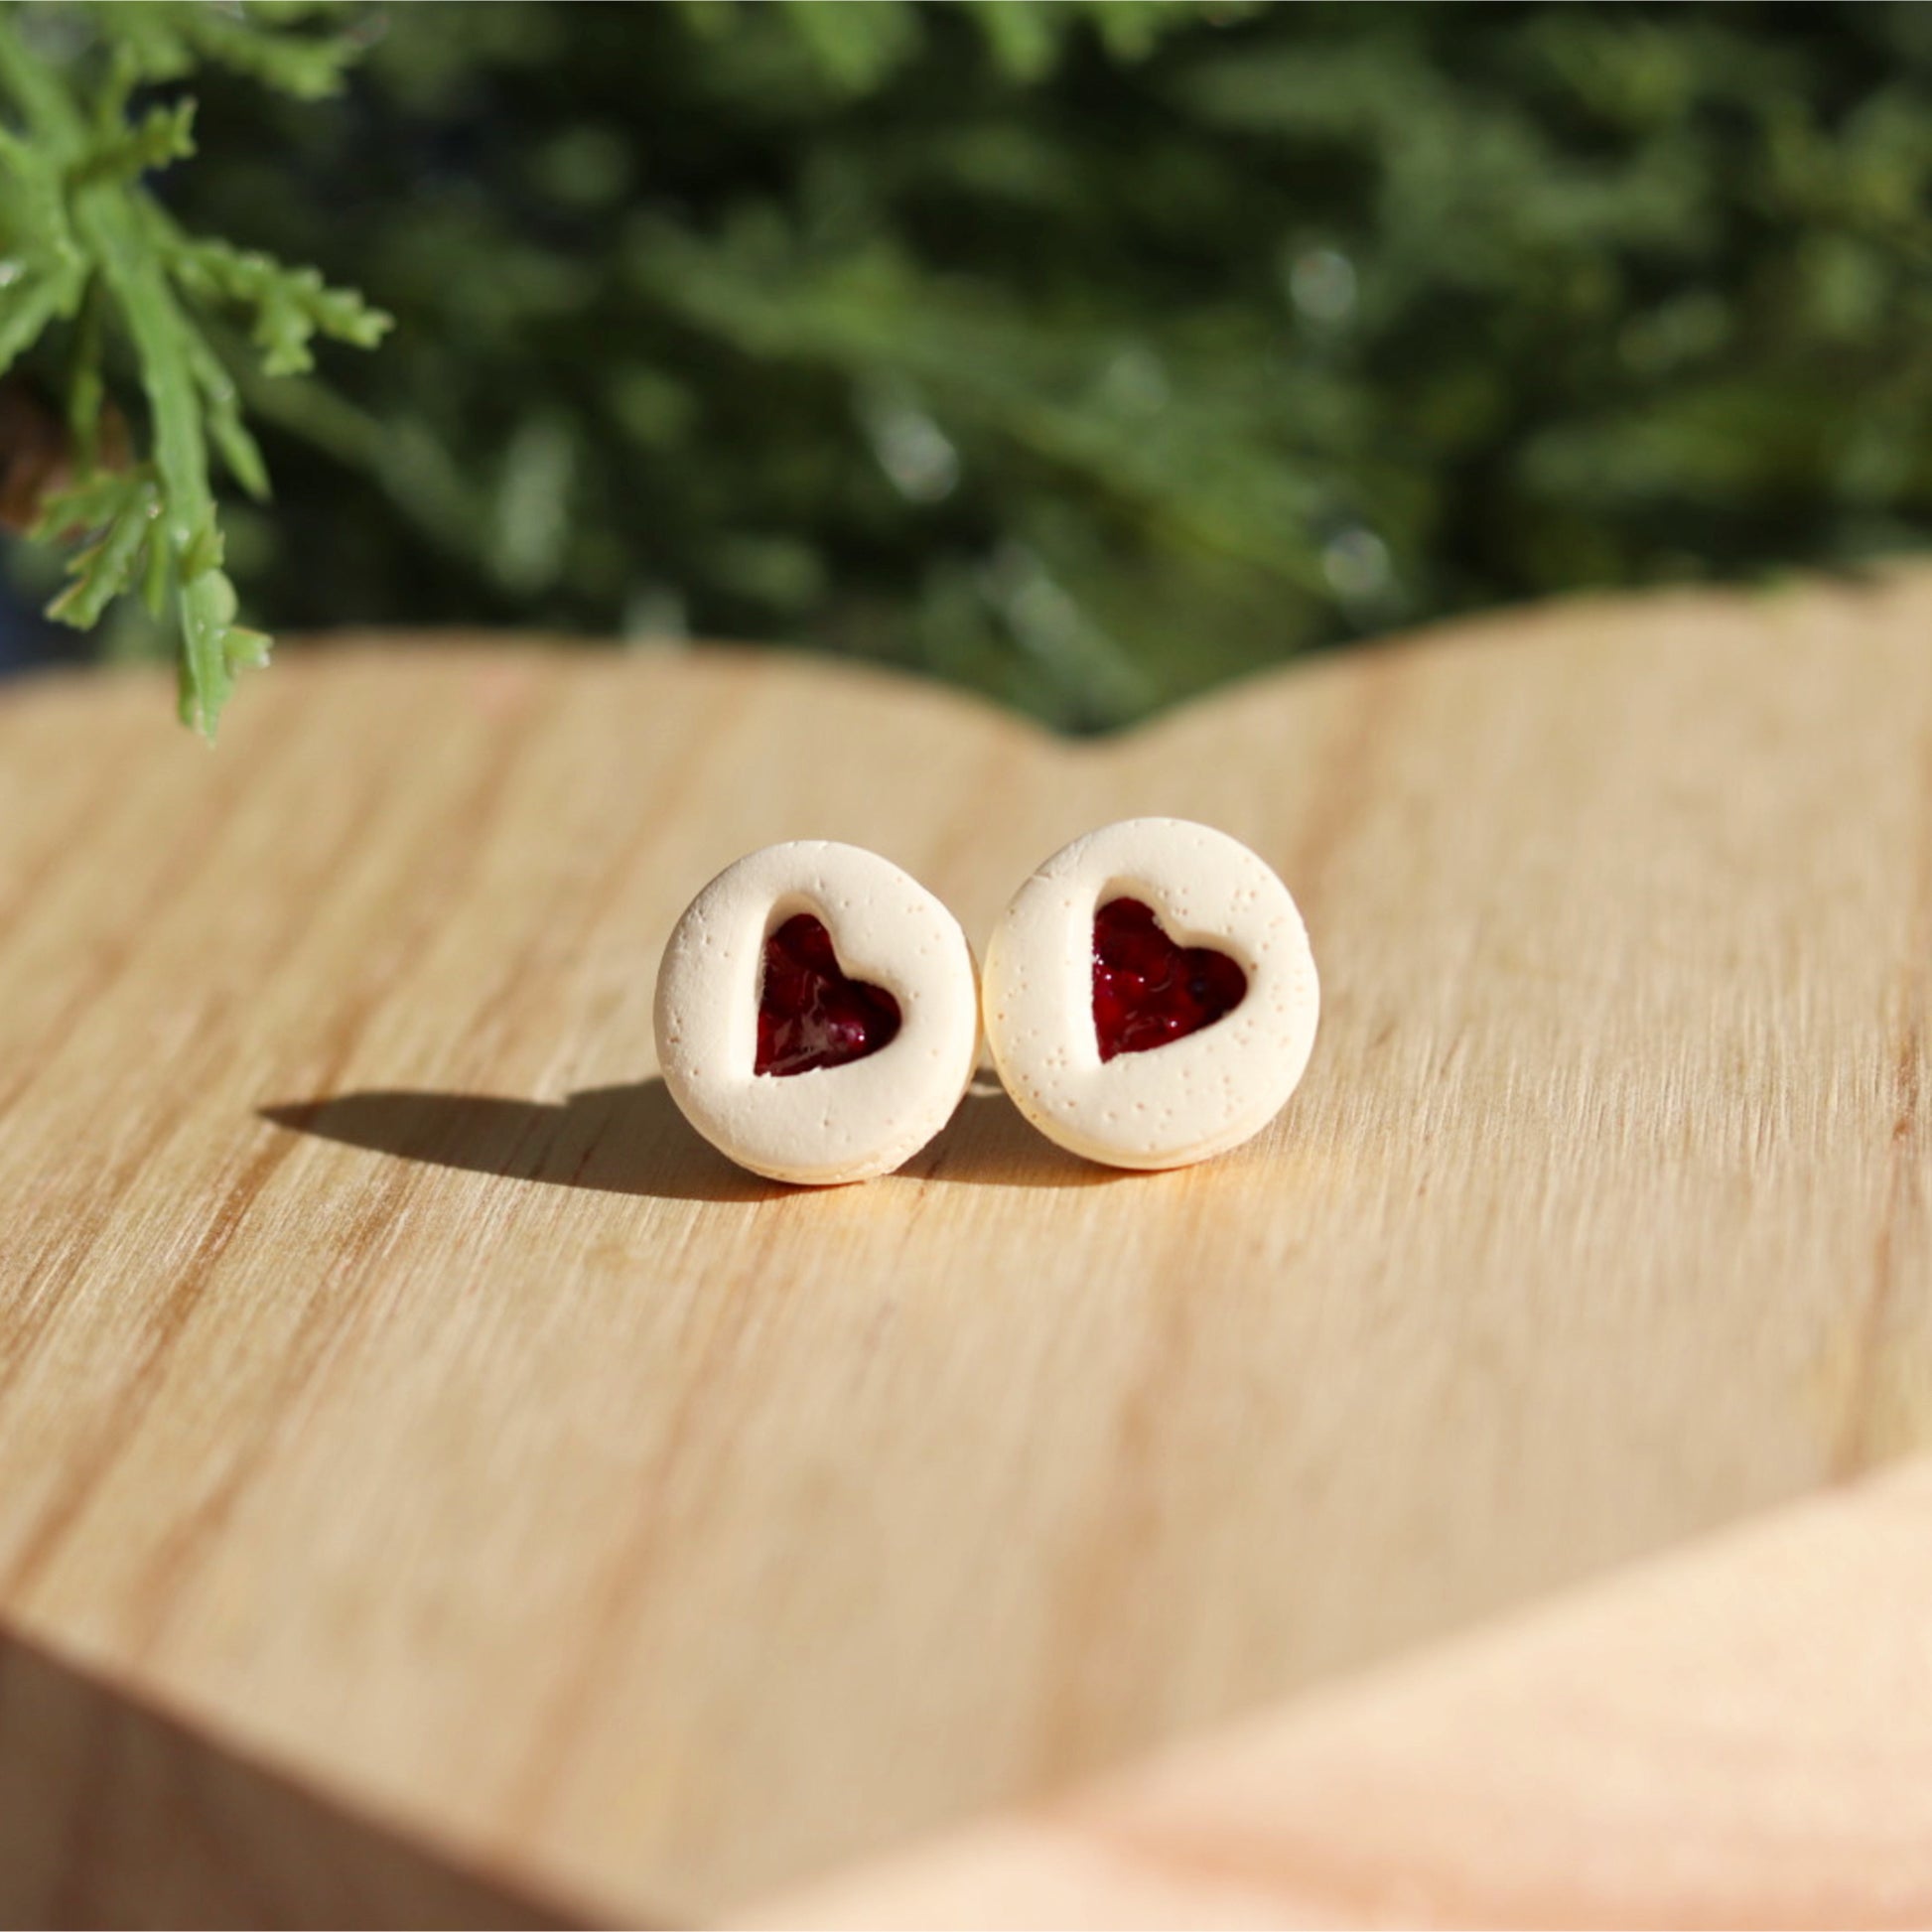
[[113, 1814], [392, 1389], [1738, 1737]]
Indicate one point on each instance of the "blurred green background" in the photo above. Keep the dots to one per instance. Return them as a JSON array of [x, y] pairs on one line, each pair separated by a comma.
[[1085, 356]]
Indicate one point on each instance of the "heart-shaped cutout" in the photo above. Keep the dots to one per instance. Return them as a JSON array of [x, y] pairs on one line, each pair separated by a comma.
[[1149, 992], [811, 1012]]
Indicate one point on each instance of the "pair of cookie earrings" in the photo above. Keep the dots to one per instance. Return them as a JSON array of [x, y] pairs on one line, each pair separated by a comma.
[[1148, 998]]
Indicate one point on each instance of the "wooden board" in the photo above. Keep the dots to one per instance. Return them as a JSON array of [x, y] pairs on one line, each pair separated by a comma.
[[1741, 1736], [395, 1395], [113, 1813]]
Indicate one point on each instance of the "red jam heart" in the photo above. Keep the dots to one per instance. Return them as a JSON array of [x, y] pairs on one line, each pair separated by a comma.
[[1147, 990], [810, 1014]]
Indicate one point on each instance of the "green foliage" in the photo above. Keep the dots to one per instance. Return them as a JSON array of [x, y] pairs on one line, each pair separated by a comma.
[[83, 243], [1082, 355]]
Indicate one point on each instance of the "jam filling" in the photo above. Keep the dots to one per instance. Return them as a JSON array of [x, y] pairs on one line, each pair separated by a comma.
[[1147, 990], [810, 1012]]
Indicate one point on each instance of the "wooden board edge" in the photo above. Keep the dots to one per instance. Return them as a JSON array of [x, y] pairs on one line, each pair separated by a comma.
[[1736, 1732], [116, 1813]]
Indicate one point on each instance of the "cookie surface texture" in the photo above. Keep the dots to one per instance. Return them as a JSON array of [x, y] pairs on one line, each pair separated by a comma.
[[828, 1124], [1190, 1097]]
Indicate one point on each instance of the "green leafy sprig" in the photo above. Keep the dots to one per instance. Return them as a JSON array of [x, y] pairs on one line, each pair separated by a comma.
[[86, 252]]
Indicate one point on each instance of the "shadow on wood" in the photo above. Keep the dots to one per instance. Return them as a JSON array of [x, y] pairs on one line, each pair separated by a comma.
[[633, 1141], [618, 1140]]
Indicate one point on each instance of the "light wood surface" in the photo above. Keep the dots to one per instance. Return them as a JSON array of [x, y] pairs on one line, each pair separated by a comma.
[[113, 1814], [393, 1391], [1738, 1737]]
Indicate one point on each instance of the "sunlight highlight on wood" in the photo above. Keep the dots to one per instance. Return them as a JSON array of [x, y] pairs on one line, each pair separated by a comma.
[[1741, 1736]]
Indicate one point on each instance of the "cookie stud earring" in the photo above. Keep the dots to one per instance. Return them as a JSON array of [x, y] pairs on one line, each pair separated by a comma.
[[1150, 997], [817, 1013]]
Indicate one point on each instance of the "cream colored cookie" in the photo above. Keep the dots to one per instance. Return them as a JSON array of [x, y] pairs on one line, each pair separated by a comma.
[[1192, 1097], [829, 1123]]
